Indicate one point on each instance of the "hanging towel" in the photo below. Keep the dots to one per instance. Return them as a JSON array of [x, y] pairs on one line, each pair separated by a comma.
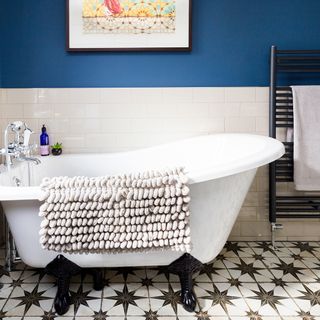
[[306, 106], [128, 213]]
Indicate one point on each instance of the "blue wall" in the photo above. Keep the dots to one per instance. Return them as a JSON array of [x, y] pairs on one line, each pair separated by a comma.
[[231, 46]]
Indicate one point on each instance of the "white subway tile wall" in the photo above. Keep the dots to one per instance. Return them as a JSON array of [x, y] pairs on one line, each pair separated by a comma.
[[118, 119]]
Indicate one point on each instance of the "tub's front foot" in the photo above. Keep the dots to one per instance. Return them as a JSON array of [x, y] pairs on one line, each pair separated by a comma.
[[98, 279], [63, 269], [185, 267]]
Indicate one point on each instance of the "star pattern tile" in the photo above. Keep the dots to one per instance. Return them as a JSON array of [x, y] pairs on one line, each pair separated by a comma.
[[304, 247], [151, 315], [248, 268], [265, 247], [289, 268], [310, 295], [267, 297], [3, 272], [170, 297], [31, 298], [49, 315], [254, 315], [306, 315], [233, 247], [246, 281], [81, 298], [219, 297], [202, 315], [100, 315], [125, 298]]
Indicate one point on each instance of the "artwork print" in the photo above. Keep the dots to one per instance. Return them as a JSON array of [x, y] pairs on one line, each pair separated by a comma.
[[129, 16], [128, 25]]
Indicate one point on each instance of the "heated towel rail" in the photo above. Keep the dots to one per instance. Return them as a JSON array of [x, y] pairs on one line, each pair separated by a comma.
[[289, 67]]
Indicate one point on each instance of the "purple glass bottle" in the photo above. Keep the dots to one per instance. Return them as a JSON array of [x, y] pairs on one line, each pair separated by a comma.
[[44, 142]]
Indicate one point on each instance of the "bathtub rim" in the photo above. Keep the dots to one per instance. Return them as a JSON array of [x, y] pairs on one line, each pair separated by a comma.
[[274, 150]]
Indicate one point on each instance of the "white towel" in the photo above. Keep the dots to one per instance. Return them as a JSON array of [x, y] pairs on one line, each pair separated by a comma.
[[306, 106]]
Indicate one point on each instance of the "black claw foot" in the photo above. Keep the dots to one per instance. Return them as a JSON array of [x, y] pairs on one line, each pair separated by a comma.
[[62, 303], [185, 267], [188, 300], [63, 269]]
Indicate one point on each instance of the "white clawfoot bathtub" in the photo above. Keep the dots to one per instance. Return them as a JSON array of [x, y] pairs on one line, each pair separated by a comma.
[[220, 167]]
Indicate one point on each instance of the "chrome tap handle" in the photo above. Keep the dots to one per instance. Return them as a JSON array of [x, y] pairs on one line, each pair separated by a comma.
[[16, 127], [26, 136], [19, 148]]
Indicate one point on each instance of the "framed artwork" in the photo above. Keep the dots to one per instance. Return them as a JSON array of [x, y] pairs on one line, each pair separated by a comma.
[[128, 25]]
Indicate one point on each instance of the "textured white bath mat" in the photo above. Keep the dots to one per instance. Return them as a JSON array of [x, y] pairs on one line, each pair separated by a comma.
[[129, 213]]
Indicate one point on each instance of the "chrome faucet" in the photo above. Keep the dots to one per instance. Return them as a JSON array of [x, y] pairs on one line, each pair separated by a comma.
[[19, 149], [29, 159]]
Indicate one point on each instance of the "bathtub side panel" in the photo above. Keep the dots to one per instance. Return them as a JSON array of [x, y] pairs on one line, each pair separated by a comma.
[[214, 208]]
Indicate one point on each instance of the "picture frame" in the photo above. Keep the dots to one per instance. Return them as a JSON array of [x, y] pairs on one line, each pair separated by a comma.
[[122, 25]]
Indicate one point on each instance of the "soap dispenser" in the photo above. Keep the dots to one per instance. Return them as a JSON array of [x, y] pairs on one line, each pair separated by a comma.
[[44, 142]]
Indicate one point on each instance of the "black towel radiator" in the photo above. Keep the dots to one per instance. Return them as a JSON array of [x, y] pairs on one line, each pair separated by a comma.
[[289, 67]]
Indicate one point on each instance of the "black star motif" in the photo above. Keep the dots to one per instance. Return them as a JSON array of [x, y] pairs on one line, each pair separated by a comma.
[[306, 315], [101, 315], [202, 315], [297, 257], [31, 298], [4, 272], [80, 298], [304, 246], [317, 266], [254, 315], [220, 257], [234, 282], [209, 270], [16, 283], [266, 247], [248, 268], [38, 274], [151, 315], [220, 297], [267, 297], [49, 315], [170, 297], [289, 268], [312, 296], [278, 282], [146, 282], [258, 257], [234, 247], [2, 314], [125, 298]]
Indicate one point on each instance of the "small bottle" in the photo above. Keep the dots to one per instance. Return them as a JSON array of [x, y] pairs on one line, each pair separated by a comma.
[[44, 142]]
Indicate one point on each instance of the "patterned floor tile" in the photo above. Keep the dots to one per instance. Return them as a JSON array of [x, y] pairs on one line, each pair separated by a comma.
[[247, 281], [125, 299], [212, 272], [9, 277], [165, 298], [161, 274], [292, 270], [305, 249], [125, 275]]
